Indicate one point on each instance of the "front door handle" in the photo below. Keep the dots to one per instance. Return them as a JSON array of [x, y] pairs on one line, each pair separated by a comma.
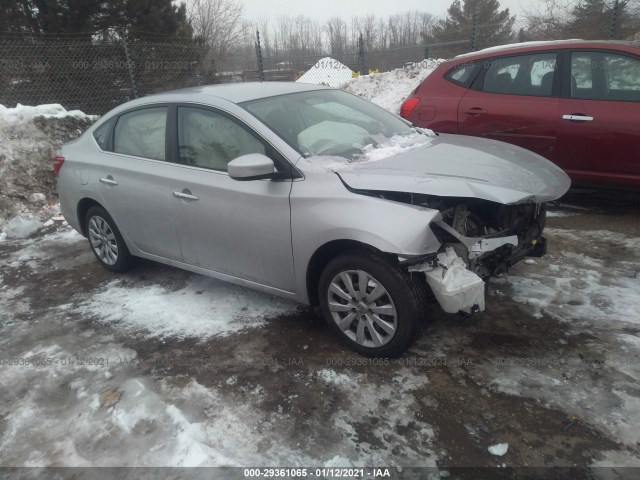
[[185, 195], [475, 111], [577, 117], [108, 180]]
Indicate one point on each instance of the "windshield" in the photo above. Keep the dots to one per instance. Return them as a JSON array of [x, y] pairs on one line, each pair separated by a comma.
[[327, 122]]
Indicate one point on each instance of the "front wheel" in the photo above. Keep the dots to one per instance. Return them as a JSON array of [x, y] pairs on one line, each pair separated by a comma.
[[106, 241], [372, 305]]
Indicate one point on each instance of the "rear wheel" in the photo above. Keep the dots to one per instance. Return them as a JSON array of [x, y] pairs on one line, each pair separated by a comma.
[[372, 305], [106, 241]]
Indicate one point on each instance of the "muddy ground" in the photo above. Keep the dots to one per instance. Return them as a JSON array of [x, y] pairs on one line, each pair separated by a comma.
[[552, 367]]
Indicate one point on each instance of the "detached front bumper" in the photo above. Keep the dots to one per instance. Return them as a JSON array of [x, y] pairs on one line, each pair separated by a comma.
[[456, 283]]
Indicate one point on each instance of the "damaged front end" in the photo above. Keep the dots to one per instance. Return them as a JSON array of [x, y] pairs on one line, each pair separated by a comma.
[[479, 239]]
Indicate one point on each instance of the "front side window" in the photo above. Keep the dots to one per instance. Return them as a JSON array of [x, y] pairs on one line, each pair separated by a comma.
[[605, 76], [211, 140], [521, 75], [141, 133]]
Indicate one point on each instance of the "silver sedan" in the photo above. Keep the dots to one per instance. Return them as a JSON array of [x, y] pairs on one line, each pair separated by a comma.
[[311, 194]]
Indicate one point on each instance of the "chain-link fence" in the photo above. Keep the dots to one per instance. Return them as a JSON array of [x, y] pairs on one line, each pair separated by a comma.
[[94, 76], [337, 68]]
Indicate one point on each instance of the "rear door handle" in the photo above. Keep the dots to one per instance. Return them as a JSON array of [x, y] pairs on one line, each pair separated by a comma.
[[185, 195], [108, 180], [577, 117], [475, 111]]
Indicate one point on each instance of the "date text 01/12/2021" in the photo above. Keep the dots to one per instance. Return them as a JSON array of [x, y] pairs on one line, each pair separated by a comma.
[[317, 472]]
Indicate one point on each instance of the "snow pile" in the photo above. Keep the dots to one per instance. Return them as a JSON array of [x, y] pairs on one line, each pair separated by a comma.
[[25, 113], [390, 89], [21, 227], [327, 71], [29, 139]]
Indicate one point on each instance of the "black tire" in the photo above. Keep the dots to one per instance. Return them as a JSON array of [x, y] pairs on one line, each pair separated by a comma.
[[403, 291], [99, 223]]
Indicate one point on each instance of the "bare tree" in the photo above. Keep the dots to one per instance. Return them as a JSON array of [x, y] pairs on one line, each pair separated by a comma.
[[337, 30], [547, 20], [218, 23]]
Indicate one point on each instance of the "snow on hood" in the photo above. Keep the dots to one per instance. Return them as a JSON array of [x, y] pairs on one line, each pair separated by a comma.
[[451, 166]]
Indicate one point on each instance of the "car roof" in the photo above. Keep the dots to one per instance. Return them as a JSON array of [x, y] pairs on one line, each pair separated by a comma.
[[239, 92], [546, 45]]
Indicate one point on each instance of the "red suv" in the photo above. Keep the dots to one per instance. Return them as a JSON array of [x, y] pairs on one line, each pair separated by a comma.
[[574, 102]]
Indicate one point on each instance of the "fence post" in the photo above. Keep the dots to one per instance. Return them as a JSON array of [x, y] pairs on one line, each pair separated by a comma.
[[426, 53], [132, 77], [474, 32], [259, 57], [614, 15], [363, 69]]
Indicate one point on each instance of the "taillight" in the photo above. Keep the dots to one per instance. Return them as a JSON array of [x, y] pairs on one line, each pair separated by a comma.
[[58, 160], [408, 105]]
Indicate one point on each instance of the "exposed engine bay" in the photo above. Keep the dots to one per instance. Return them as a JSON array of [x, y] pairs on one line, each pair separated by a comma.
[[479, 239]]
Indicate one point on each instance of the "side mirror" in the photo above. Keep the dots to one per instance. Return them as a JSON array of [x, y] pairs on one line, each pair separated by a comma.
[[254, 166]]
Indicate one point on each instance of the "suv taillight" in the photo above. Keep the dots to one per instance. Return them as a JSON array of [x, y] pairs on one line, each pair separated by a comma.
[[58, 160], [408, 105]]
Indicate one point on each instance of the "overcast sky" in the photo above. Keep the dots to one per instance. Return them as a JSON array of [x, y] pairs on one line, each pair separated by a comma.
[[323, 9]]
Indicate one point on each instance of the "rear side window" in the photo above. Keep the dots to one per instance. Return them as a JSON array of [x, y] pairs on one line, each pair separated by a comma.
[[103, 134], [605, 76], [141, 133], [463, 74], [521, 75]]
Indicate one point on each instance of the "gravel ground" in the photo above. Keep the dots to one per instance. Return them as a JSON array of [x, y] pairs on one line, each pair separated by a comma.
[[161, 367]]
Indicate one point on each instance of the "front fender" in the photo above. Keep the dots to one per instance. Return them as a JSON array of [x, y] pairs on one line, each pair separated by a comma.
[[323, 210]]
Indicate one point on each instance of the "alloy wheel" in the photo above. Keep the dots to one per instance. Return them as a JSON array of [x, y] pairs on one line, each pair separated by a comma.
[[362, 308], [103, 240]]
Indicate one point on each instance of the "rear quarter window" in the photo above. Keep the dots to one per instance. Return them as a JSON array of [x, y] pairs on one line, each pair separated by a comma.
[[102, 134], [463, 74]]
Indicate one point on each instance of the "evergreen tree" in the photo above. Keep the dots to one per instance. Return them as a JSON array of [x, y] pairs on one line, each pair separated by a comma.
[[592, 20], [493, 26], [135, 18]]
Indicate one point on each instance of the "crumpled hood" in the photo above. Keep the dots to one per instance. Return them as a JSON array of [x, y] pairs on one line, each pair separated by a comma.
[[462, 166]]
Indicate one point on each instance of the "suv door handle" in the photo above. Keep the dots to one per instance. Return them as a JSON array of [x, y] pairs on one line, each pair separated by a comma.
[[108, 180], [475, 111], [577, 117], [185, 195]]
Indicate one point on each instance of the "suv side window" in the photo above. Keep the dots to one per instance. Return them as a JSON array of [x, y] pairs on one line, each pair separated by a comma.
[[211, 140], [531, 74], [605, 76], [141, 133], [102, 134]]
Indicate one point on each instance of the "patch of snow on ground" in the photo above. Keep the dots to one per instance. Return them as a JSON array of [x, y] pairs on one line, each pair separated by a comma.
[[591, 293], [205, 307], [390, 89], [400, 405]]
